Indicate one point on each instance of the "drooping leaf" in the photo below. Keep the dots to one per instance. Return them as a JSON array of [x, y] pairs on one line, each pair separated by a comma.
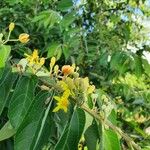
[[21, 100], [72, 132], [33, 128], [4, 53], [89, 120], [6, 82], [91, 136], [7, 131]]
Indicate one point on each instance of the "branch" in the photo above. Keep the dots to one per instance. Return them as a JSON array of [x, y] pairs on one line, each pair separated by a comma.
[[128, 139]]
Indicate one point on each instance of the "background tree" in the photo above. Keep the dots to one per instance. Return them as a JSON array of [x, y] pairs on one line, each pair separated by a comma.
[[108, 40]]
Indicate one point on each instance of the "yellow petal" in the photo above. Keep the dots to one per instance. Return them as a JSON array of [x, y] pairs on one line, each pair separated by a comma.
[[65, 109], [35, 54], [57, 98], [56, 109], [66, 94]]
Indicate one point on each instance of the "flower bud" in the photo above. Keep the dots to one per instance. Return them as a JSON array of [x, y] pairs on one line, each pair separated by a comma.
[[42, 61], [53, 61], [67, 69], [56, 69], [91, 89], [11, 26], [24, 38]]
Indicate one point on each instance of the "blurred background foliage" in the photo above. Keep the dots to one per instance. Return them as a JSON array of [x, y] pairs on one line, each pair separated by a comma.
[[108, 40]]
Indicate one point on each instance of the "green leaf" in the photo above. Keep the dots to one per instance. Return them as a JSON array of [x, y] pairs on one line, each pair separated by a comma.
[[91, 136], [54, 49], [146, 66], [72, 132], [68, 19], [89, 120], [120, 61], [47, 18], [21, 100], [4, 53], [113, 117], [32, 130], [6, 131], [6, 82], [104, 59], [64, 5], [138, 66], [110, 140], [66, 51]]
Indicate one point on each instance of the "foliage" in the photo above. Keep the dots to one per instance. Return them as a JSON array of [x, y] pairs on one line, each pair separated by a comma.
[[46, 106]]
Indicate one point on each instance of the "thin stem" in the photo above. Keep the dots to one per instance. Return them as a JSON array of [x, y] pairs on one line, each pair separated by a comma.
[[14, 40], [7, 38], [108, 123]]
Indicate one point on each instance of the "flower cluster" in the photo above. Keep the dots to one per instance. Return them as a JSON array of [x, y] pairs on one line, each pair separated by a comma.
[[34, 62], [69, 85]]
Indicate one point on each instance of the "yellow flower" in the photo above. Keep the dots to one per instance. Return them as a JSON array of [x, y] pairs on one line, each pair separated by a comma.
[[33, 58], [11, 26], [62, 102], [67, 69], [24, 38], [34, 62], [90, 89]]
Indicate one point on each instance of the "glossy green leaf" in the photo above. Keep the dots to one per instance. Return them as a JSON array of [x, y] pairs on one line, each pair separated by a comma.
[[21, 100], [72, 132], [4, 53], [6, 83], [33, 128], [7, 131], [110, 140], [91, 136]]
